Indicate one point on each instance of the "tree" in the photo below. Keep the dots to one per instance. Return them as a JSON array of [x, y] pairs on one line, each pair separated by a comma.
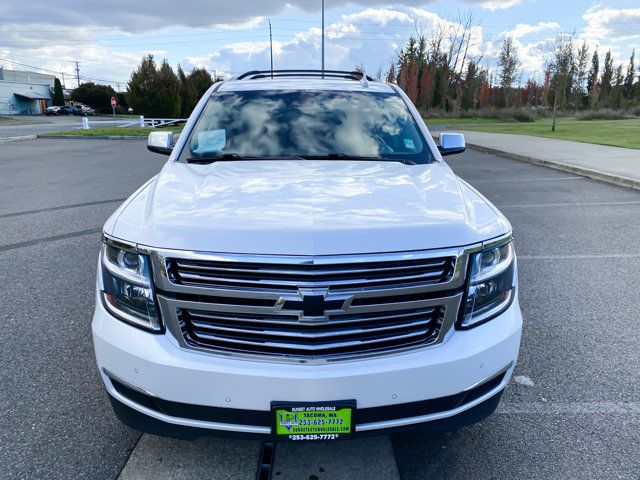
[[140, 89], [579, 95], [606, 79], [483, 95], [617, 92], [391, 76], [58, 94], [201, 81], [94, 95], [630, 78], [168, 90], [188, 98], [469, 88], [561, 65], [592, 82], [154, 92], [508, 63]]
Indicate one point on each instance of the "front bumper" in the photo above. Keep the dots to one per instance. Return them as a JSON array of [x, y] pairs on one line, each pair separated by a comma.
[[460, 380]]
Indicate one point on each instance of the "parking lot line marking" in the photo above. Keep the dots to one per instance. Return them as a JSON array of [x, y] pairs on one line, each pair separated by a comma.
[[53, 238], [580, 408], [62, 207], [578, 257], [586, 204]]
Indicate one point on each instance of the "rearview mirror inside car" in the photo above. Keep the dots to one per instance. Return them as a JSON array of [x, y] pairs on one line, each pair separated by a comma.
[[451, 143], [160, 142]]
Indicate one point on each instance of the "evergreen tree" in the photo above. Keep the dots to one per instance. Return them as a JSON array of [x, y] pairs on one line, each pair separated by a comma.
[[579, 95], [606, 79], [617, 93], [140, 89], [469, 87], [154, 92], [391, 76], [592, 82], [168, 92], [58, 94], [188, 98], [201, 81], [630, 78]]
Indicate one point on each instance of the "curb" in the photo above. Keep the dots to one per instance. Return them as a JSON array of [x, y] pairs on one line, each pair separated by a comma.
[[16, 139], [93, 137], [584, 172]]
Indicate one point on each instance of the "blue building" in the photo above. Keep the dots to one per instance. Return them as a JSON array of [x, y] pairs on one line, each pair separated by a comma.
[[25, 93]]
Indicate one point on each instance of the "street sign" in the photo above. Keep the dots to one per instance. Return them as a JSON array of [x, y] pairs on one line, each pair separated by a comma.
[[113, 108]]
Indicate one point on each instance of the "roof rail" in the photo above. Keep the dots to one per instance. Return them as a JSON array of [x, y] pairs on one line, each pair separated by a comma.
[[256, 74]]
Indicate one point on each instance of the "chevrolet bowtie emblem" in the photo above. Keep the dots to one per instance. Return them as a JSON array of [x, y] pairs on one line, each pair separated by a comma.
[[313, 303]]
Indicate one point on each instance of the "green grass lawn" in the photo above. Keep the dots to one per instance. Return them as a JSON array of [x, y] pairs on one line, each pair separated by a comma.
[[617, 133], [116, 131]]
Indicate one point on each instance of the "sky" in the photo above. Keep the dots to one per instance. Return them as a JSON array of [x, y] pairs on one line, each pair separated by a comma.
[[228, 37]]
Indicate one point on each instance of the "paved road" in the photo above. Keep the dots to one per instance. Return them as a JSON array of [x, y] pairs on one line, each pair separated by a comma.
[[575, 414], [49, 124]]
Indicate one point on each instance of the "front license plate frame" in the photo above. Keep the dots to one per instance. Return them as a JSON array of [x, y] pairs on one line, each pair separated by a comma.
[[313, 421]]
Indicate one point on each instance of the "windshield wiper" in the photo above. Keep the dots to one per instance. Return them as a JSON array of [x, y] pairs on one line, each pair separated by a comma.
[[345, 156], [215, 158], [236, 156]]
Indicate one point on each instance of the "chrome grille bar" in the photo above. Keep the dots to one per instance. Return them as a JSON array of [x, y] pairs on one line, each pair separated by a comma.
[[308, 309]]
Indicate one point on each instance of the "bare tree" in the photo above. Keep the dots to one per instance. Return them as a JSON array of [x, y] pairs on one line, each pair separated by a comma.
[[508, 63], [561, 63]]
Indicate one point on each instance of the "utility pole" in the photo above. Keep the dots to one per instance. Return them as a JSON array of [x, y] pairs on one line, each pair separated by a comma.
[[77, 71], [322, 39], [271, 47], [64, 85]]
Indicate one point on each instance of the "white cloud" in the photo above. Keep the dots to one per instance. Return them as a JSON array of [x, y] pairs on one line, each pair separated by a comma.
[[612, 24], [523, 29], [500, 4], [355, 40], [128, 15]]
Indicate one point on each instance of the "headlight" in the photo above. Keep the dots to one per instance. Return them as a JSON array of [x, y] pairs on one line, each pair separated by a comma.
[[492, 284], [128, 287]]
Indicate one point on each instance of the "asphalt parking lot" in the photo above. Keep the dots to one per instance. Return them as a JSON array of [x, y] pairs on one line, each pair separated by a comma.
[[573, 413]]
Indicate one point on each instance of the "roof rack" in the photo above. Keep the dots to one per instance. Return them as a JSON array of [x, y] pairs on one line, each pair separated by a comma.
[[256, 74]]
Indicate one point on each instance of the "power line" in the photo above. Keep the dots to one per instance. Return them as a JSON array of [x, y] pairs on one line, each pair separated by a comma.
[[12, 62]]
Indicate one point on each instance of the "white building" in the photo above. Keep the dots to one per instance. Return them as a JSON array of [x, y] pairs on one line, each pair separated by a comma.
[[24, 93]]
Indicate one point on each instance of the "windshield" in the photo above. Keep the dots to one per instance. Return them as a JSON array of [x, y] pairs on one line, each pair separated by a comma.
[[308, 124]]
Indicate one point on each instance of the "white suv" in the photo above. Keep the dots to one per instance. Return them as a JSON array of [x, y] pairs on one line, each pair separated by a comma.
[[305, 267]]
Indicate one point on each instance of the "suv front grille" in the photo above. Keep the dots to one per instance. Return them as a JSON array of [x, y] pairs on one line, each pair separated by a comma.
[[335, 335], [292, 277], [302, 308]]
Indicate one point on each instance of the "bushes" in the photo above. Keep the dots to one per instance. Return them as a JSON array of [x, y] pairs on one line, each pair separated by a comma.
[[530, 115], [603, 114], [518, 114]]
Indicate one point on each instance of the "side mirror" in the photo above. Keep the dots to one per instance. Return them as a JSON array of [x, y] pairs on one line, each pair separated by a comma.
[[451, 143], [160, 142]]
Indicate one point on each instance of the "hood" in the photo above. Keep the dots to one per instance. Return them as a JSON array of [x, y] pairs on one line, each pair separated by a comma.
[[306, 208]]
